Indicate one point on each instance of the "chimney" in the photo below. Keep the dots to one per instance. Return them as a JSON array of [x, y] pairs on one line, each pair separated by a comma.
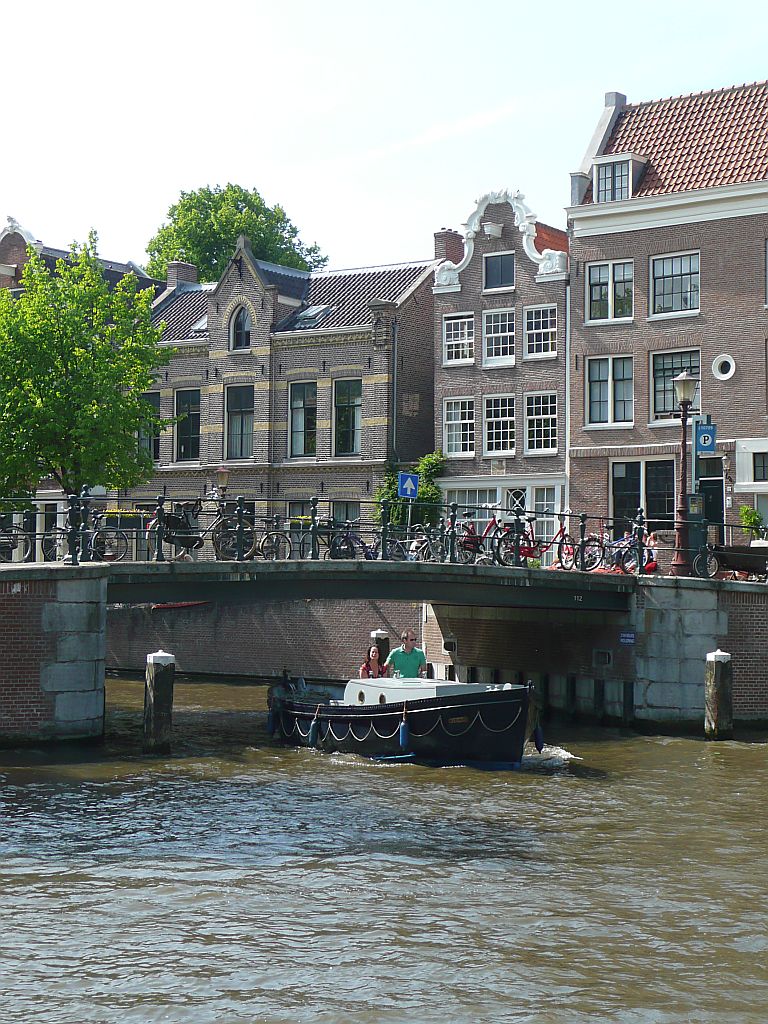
[[178, 271], [449, 245]]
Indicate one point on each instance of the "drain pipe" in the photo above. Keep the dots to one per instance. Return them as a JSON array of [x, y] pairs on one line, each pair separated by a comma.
[[394, 390], [567, 398]]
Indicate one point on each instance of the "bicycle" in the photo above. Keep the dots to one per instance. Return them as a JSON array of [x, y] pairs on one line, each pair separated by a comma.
[[525, 544], [340, 541], [15, 544], [479, 548], [105, 542], [180, 530]]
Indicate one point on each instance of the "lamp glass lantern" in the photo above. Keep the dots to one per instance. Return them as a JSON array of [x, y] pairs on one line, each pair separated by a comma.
[[685, 388], [222, 479]]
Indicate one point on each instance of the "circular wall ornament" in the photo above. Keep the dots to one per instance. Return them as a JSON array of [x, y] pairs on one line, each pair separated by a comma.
[[723, 366]]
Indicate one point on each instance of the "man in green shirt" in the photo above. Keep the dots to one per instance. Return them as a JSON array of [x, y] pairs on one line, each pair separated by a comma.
[[407, 661]]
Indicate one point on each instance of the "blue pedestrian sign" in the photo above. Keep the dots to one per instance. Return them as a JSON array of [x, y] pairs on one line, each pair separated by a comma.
[[407, 485], [706, 436]]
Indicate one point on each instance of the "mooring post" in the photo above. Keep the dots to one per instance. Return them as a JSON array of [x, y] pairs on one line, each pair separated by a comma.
[[718, 696], [158, 702]]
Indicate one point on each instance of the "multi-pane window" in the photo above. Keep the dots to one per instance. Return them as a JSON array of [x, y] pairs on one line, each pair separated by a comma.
[[544, 507], [188, 425], [499, 425], [541, 331], [348, 401], [667, 366], [613, 181], [241, 329], [499, 336], [149, 439], [345, 511], [541, 423], [499, 270], [675, 283], [459, 426], [303, 418], [474, 502], [458, 337], [760, 466], [240, 422], [649, 485], [609, 291], [610, 390]]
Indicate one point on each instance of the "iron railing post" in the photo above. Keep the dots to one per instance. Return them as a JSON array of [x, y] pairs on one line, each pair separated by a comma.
[[452, 532], [73, 527], [85, 540], [582, 539], [384, 549], [313, 528], [639, 531], [518, 528], [240, 527], [160, 528]]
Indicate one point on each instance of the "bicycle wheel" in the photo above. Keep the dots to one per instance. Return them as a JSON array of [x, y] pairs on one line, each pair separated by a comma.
[[109, 545], [342, 546], [505, 550], [224, 540], [275, 546], [467, 549], [397, 551], [15, 545], [628, 560], [567, 551], [594, 554], [706, 565]]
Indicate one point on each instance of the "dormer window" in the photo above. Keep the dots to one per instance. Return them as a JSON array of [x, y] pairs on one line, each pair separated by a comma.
[[617, 177], [241, 330]]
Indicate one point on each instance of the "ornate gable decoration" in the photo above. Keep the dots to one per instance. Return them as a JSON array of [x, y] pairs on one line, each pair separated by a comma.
[[550, 262], [14, 228]]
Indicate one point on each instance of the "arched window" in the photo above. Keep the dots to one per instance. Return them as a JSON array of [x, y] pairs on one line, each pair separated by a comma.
[[241, 329]]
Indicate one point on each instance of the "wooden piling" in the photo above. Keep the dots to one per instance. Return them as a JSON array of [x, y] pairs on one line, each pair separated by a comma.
[[718, 696], [158, 703]]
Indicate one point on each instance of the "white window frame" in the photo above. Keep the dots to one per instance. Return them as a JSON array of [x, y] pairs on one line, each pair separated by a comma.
[[507, 360], [610, 422], [551, 352], [358, 429], [452, 400], [674, 314], [242, 307], [498, 453], [610, 319], [468, 318], [540, 451], [613, 163], [291, 454], [227, 389], [503, 287], [673, 417]]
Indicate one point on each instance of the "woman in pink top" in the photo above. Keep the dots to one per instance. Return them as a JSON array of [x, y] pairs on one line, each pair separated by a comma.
[[372, 667]]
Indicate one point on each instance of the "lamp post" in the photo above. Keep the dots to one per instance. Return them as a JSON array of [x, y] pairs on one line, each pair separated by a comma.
[[685, 392], [222, 479]]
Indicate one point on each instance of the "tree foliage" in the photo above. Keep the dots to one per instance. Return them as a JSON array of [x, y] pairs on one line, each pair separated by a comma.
[[430, 504], [203, 228], [75, 360]]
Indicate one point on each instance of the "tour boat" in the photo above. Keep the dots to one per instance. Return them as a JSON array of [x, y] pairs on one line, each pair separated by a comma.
[[423, 720]]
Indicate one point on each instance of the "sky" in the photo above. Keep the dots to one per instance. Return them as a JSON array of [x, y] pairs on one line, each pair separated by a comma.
[[372, 124]]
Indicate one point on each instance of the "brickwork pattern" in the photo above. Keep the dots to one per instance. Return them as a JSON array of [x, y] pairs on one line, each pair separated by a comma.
[[25, 709]]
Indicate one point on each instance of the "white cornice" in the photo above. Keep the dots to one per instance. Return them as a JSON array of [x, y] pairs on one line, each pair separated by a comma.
[[551, 261], [705, 204]]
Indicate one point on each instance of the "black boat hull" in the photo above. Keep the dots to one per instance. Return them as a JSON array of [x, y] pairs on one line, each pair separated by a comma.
[[488, 727]]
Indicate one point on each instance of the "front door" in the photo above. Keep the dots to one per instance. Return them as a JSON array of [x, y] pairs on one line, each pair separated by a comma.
[[712, 491]]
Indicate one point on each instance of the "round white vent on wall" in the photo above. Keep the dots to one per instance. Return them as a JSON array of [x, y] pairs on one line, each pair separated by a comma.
[[724, 366]]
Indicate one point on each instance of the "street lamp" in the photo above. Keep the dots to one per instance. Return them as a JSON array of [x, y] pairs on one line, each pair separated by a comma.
[[222, 479], [685, 392]]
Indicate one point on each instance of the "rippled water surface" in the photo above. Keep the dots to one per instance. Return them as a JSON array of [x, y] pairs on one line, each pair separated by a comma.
[[613, 878]]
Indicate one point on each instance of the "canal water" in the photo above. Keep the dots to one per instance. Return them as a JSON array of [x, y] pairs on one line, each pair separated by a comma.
[[614, 878]]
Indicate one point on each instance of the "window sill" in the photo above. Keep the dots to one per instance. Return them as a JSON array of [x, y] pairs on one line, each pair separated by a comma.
[[538, 356], [610, 320], [460, 455], [609, 426], [683, 314], [672, 421], [499, 455], [459, 362], [505, 289], [536, 454], [240, 351], [180, 465], [492, 364]]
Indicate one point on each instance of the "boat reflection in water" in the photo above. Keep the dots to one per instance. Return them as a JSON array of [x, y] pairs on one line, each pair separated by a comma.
[[422, 720]]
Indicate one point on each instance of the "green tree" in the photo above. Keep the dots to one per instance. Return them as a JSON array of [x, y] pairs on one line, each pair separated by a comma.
[[203, 228], [430, 504], [75, 361]]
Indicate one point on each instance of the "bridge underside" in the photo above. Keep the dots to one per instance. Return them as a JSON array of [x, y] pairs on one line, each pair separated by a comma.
[[455, 585]]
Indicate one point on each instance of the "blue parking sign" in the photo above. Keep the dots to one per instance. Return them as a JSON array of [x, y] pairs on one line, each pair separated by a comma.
[[407, 485], [706, 437]]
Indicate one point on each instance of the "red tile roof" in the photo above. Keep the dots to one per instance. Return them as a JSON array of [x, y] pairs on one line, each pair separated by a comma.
[[550, 238], [698, 141]]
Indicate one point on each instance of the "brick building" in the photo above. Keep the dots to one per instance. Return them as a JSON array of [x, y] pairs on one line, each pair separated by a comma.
[[295, 383], [668, 225], [500, 360]]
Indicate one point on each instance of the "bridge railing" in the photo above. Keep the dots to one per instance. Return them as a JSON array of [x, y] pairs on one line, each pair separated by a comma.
[[82, 528]]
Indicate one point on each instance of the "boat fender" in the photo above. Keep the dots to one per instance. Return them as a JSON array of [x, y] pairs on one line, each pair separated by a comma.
[[314, 729], [404, 732], [538, 738]]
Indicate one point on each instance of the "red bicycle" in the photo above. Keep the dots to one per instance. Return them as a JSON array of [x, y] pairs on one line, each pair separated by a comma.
[[513, 548], [479, 548]]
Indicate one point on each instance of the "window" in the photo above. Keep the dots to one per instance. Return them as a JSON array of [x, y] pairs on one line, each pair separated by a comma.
[[613, 181], [610, 390], [500, 425], [472, 500], [541, 423], [303, 419], [241, 329], [609, 291], [188, 426], [544, 507], [760, 466], [458, 338], [459, 426], [344, 511], [540, 331], [240, 422], [499, 337], [675, 283], [348, 401], [149, 439], [666, 366], [649, 485], [499, 271]]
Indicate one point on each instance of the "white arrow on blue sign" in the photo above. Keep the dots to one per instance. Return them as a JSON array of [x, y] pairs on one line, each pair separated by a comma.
[[407, 485]]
